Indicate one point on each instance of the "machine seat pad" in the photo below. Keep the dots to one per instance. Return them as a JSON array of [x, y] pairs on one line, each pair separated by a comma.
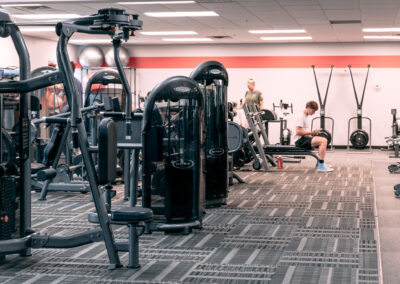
[[288, 149], [35, 167], [132, 214]]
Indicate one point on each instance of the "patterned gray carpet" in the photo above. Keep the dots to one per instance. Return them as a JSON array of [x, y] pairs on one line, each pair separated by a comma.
[[291, 226]]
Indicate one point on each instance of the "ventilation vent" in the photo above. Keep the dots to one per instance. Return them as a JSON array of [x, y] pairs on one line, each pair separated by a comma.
[[220, 36], [345, 22]]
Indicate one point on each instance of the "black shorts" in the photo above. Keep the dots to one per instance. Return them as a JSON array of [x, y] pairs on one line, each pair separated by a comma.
[[304, 142]]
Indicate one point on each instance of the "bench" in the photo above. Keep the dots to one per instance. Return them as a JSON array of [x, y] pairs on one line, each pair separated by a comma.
[[288, 150]]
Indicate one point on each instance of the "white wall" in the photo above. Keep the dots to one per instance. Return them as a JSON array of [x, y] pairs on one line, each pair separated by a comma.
[[297, 85], [40, 51]]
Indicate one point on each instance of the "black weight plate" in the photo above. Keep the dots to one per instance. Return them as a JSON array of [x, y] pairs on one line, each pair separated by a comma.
[[359, 139], [267, 114], [326, 134]]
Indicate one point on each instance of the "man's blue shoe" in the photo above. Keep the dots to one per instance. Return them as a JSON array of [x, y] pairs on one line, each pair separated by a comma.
[[323, 168]]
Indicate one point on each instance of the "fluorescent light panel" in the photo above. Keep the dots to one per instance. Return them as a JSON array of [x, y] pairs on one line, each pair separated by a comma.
[[381, 37], [182, 14], [286, 38], [188, 39], [276, 31], [38, 29], [85, 41], [21, 5], [45, 16], [156, 2], [384, 30], [170, 33]]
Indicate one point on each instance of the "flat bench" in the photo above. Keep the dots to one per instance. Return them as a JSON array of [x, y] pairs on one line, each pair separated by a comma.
[[288, 150]]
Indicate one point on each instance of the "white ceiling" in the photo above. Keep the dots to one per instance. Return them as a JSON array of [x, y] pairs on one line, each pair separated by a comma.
[[237, 17]]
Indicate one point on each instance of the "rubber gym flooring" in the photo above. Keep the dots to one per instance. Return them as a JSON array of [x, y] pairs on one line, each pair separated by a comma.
[[294, 225]]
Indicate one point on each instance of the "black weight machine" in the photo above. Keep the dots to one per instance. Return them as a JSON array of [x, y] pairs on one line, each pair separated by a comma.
[[213, 79], [173, 157], [394, 140], [242, 154], [16, 235], [49, 174], [393, 143], [324, 132], [285, 133], [359, 138]]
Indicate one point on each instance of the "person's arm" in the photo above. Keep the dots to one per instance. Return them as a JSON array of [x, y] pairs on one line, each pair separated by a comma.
[[48, 98], [301, 132], [261, 101]]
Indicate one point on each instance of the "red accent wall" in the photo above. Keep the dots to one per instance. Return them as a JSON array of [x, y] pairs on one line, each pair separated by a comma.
[[386, 61]]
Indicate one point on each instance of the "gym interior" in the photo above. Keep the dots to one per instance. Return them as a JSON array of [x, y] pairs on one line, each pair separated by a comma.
[[158, 141]]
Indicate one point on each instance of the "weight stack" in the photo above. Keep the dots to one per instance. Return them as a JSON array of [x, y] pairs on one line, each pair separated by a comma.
[[9, 210]]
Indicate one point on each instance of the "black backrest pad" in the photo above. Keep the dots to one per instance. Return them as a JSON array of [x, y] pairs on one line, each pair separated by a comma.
[[107, 151], [50, 151], [235, 137]]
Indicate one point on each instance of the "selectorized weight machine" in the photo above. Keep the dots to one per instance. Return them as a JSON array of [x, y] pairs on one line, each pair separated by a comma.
[[16, 234]]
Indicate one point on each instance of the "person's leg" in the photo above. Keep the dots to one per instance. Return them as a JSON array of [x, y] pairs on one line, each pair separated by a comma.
[[321, 143]]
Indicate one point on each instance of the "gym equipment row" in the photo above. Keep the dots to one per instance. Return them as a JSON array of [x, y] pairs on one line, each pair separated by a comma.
[[265, 150], [16, 186], [169, 133], [359, 138]]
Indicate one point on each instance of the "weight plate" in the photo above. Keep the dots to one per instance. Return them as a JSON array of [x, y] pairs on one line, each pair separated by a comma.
[[326, 134], [359, 139]]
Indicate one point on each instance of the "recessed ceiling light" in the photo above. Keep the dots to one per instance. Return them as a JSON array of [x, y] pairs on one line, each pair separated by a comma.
[[21, 5], [188, 39], [374, 30], [182, 14], [381, 37], [86, 41], [156, 2], [276, 31], [286, 38], [170, 33], [45, 16], [38, 29]]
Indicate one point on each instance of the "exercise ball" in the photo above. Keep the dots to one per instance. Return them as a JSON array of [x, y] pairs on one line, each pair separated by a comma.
[[91, 56], [123, 55]]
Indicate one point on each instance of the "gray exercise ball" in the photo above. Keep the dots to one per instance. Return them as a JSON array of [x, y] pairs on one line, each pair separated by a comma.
[[91, 56], [123, 55]]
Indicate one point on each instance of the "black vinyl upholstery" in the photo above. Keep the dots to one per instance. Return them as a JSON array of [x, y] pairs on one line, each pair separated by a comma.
[[107, 151], [132, 214]]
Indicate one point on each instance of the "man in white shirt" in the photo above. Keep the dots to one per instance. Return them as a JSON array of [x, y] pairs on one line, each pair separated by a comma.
[[307, 139]]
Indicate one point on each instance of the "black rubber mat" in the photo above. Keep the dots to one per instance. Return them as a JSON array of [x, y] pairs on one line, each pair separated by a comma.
[[296, 226]]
